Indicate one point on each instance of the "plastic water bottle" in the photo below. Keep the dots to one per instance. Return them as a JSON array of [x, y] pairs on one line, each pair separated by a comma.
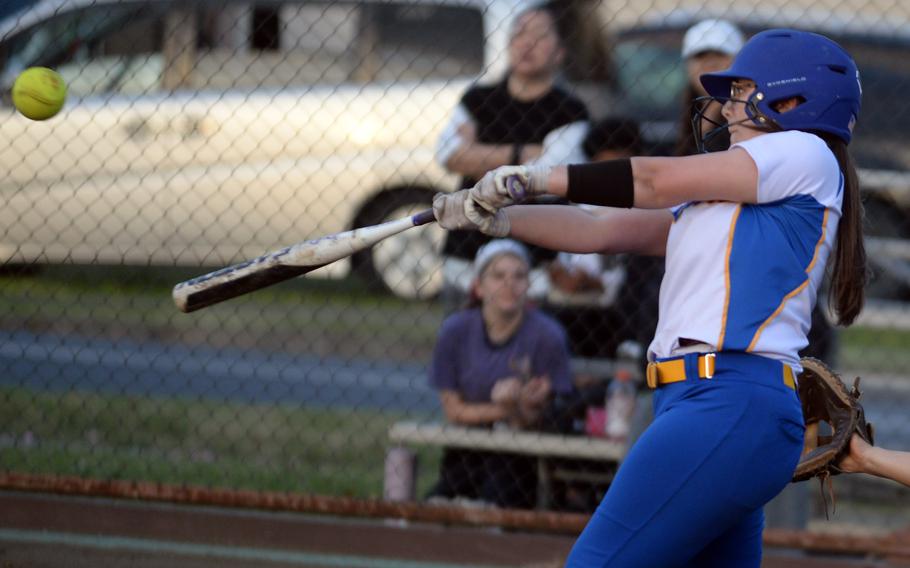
[[620, 405]]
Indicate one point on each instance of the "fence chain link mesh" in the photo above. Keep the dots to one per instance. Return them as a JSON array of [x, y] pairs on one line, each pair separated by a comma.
[[203, 133]]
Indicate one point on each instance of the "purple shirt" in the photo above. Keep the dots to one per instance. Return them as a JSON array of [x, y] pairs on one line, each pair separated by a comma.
[[465, 361]]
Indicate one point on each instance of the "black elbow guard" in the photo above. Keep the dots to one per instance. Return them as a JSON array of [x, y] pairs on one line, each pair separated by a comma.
[[608, 184]]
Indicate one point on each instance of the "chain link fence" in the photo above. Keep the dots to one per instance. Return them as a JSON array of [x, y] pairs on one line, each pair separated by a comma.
[[202, 133]]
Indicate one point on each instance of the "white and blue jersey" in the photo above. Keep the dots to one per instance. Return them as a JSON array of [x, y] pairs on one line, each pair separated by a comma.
[[741, 280], [744, 277]]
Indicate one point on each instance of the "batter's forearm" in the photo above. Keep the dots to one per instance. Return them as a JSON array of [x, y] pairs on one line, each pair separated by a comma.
[[570, 228], [557, 227]]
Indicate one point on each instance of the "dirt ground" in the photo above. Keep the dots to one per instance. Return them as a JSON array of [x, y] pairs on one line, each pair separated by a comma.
[[43, 530]]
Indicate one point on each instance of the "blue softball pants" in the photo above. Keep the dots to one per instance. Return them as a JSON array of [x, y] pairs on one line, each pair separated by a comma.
[[691, 490]]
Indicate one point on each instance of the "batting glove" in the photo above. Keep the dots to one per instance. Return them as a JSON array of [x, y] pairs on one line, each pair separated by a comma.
[[448, 208], [508, 185], [457, 211], [495, 224]]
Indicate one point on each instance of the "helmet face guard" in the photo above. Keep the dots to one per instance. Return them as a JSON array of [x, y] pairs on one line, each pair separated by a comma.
[[709, 133], [791, 64]]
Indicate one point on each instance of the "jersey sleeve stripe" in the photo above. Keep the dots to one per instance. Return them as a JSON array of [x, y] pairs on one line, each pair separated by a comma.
[[723, 319]]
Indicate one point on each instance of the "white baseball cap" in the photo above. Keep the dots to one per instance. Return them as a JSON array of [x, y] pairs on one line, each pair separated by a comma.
[[495, 248], [712, 35]]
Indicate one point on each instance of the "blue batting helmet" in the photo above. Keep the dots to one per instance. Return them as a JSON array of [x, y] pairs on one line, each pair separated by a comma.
[[786, 64]]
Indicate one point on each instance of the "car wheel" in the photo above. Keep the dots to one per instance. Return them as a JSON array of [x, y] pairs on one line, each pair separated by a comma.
[[409, 265]]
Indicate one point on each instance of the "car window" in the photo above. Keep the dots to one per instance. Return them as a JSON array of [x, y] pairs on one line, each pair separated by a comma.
[[299, 44], [651, 76], [243, 45], [428, 42], [96, 50], [144, 48]]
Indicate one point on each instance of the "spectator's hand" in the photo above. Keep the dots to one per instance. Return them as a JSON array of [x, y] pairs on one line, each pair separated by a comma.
[[535, 392], [531, 399], [572, 281], [508, 185], [854, 461], [506, 392]]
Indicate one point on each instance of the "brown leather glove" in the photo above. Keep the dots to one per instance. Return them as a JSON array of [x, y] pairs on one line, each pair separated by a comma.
[[826, 399]]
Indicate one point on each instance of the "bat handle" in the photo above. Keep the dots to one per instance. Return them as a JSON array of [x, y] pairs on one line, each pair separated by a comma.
[[423, 218], [516, 188]]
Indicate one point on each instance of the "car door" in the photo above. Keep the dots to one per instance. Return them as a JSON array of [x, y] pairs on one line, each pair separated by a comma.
[[206, 132], [93, 183], [316, 114]]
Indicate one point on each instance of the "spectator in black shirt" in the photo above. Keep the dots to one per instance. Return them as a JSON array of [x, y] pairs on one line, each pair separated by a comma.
[[507, 123], [595, 330]]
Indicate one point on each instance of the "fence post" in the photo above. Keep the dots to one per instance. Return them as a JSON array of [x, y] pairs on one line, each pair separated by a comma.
[[400, 474]]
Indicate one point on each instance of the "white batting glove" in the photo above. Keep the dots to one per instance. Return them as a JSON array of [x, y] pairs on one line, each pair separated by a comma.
[[449, 210], [508, 185], [495, 224]]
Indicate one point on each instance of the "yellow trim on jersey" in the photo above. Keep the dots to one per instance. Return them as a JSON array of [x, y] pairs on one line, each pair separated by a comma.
[[796, 291], [723, 319]]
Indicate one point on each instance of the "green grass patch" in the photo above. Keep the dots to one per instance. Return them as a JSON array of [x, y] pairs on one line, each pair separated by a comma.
[[323, 317], [175, 441], [318, 316], [874, 350]]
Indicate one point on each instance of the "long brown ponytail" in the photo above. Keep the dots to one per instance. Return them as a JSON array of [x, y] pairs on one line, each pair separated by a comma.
[[848, 272]]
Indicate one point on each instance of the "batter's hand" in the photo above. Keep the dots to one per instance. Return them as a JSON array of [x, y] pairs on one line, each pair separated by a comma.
[[508, 185], [457, 211], [495, 224], [449, 210]]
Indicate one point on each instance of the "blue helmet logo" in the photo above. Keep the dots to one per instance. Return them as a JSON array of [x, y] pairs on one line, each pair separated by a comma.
[[792, 64]]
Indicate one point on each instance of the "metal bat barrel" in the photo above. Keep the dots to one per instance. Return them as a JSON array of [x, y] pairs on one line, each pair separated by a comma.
[[287, 263], [232, 281]]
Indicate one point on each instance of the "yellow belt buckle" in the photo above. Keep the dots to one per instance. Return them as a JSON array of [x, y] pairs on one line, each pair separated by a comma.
[[651, 375], [709, 365]]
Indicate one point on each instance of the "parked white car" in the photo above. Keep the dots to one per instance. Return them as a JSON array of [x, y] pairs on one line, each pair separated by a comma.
[[206, 132]]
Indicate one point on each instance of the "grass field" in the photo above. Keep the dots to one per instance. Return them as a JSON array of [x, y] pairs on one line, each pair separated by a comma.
[[875, 350], [251, 446], [320, 317], [211, 443], [315, 316], [215, 444]]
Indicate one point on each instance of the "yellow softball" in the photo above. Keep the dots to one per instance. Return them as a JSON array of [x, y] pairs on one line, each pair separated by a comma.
[[39, 93]]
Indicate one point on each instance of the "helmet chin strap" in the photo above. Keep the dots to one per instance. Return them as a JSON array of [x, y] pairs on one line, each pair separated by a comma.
[[749, 122], [752, 122]]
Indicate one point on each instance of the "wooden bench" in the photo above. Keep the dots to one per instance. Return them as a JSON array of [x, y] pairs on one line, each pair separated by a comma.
[[548, 449]]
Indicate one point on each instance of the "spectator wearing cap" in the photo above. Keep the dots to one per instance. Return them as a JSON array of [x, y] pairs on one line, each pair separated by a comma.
[[708, 46], [497, 362]]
